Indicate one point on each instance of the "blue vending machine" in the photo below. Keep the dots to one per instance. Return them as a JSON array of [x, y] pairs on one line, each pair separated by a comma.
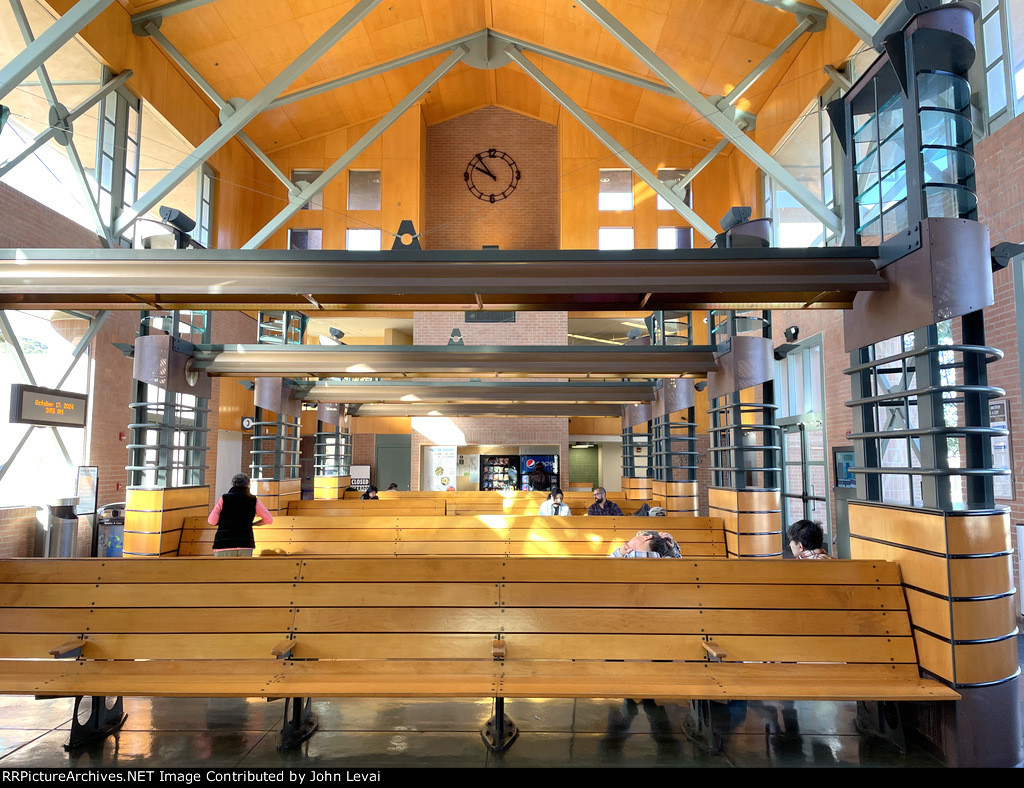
[[538, 466]]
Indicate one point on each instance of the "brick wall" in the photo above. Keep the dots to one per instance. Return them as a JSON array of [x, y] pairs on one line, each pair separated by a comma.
[[17, 532], [529, 328], [528, 219], [25, 223], [1000, 169]]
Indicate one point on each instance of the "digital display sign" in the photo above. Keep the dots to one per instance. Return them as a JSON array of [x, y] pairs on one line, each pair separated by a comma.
[[47, 407]]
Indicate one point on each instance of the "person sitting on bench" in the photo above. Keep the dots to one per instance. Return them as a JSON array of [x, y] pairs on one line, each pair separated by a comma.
[[648, 544], [554, 505], [370, 494], [806, 539], [602, 506]]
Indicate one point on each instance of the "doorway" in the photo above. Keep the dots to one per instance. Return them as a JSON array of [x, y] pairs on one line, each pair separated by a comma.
[[392, 461]]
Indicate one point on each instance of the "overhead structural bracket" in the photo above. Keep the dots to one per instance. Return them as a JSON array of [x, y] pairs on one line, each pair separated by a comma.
[[245, 113], [673, 198], [161, 12], [853, 18], [712, 114], [378, 128], [51, 132]]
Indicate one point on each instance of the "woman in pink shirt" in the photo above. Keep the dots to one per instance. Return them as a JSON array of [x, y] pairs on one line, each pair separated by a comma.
[[236, 512]]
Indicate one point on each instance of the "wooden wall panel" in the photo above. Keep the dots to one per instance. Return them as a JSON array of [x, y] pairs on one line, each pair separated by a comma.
[[154, 518]]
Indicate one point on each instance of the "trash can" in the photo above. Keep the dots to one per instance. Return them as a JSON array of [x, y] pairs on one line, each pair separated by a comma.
[[61, 539], [110, 523]]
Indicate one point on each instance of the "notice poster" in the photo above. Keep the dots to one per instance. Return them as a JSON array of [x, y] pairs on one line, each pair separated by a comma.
[[440, 464], [469, 472], [999, 417], [359, 477]]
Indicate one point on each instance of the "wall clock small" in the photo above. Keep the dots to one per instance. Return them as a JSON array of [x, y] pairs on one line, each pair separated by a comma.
[[491, 175]]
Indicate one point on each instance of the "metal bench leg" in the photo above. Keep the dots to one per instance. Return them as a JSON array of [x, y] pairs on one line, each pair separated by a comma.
[[699, 727], [102, 721], [499, 731], [882, 720], [299, 722]]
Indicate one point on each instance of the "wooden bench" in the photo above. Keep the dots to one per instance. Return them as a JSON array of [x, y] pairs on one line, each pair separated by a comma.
[[698, 537], [453, 628], [454, 503], [359, 508]]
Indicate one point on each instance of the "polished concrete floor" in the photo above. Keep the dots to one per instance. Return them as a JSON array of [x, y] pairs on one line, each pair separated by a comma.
[[383, 733]]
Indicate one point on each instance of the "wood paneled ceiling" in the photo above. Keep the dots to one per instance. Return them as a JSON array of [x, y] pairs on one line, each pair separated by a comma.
[[239, 45]]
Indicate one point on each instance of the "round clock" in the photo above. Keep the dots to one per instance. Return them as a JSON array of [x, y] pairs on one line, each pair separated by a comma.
[[491, 175]]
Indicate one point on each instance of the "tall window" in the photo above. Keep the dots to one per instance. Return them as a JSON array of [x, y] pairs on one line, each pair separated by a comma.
[[204, 208], [306, 177], [364, 190], [615, 192], [806, 153], [117, 157]]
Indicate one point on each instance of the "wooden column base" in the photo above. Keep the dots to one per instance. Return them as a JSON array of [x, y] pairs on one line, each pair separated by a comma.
[[153, 519], [753, 521]]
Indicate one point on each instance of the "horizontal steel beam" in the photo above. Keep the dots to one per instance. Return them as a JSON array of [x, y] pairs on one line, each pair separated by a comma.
[[554, 361], [576, 280], [498, 409], [429, 391]]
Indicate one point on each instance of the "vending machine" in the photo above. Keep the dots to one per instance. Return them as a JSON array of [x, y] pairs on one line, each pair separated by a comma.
[[499, 472], [530, 465]]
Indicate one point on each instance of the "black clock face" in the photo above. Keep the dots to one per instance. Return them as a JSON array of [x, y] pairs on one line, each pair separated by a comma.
[[492, 175]]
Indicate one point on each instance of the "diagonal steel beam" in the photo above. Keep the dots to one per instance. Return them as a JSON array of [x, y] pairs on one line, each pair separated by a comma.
[[712, 114], [674, 199], [56, 36], [76, 113], [805, 24], [83, 344], [297, 201], [245, 113], [333, 84], [59, 110], [853, 18], [19, 356], [200, 81]]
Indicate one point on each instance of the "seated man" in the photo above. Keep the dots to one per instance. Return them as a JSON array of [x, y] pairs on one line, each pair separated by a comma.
[[602, 506], [806, 539], [648, 544]]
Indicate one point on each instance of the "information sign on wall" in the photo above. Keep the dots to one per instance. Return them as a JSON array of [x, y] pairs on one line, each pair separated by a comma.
[[47, 407], [440, 464], [360, 477]]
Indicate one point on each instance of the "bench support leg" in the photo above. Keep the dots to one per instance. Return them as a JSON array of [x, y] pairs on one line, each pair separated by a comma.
[[699, 727], [499, 731], [299, 722], [882, 720], [102, 721]]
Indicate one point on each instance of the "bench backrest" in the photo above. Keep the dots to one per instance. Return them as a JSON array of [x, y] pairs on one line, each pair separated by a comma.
[[359, 508], [456, 503], [393, 610], [698, 537]]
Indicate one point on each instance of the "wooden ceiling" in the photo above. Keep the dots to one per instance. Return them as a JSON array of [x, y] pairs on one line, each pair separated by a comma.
[[239, 45]]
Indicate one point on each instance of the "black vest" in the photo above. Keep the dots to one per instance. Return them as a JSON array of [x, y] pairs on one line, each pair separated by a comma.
[[234, 529]]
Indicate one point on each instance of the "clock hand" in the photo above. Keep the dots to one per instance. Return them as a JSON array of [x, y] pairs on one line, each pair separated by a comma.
[[488, 172]]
